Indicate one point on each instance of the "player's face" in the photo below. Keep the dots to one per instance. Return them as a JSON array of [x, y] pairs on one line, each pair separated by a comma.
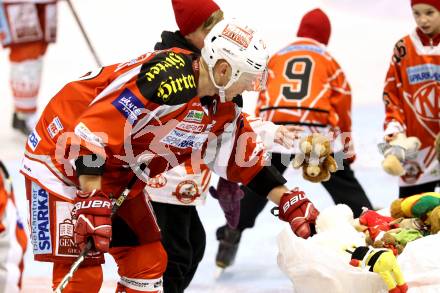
[[197, 37], [427, 18], [247, 82]]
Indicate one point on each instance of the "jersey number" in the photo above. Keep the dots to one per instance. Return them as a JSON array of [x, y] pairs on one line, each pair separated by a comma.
[[298, 72]]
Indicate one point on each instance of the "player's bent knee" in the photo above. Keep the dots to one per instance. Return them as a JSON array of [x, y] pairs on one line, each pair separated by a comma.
[[140, 267]]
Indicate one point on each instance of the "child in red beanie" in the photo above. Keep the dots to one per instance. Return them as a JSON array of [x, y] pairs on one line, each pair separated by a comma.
[[176, 194], [305, 87], [411, 96]]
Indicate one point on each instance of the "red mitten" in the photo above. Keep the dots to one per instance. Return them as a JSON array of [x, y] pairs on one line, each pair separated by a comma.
[[93, 213], [296, 209]]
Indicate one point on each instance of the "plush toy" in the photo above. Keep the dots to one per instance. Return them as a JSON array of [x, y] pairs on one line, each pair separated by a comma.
[[375, 223], [434, 220], [382, 262], [315, 158], [415, 206], [386, 240], [396, 239], [420, 206], [335, 230], [409, 223], [397, 151]]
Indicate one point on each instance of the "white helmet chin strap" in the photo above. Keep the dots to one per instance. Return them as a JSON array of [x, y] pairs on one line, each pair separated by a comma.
[[221, 89]]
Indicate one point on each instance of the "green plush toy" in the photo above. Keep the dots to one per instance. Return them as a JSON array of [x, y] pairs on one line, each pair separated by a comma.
[[406, 235], [418, 205]]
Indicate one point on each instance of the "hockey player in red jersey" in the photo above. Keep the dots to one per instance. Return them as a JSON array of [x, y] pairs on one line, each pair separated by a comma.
[[306, 87], [176, 193], [26, 28], [13, 238], [160, 109], [411, 96]]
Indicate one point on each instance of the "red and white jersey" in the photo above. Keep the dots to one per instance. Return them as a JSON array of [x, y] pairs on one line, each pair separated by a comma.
[[411, 97], [306, 87], [145, 110], [180, 185], [29, 1], [183, 185], [13, 239]]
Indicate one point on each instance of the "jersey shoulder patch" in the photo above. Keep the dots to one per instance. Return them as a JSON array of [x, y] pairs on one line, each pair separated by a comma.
[[168, 78]]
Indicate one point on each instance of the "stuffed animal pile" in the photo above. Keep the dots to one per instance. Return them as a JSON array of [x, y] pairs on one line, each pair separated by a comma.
[[380, 238]]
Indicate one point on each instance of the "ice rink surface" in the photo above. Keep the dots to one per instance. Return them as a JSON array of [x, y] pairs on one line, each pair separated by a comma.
[[363, 35]]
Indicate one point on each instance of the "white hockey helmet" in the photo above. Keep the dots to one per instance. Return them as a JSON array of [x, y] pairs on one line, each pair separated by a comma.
[[242, 48]]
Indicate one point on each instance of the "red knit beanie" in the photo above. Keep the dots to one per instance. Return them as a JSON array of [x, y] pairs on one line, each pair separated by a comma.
[[190, 14], [435, 3], [315, 25]]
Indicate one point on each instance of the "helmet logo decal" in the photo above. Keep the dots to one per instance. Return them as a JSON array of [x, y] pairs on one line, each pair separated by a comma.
[[238, 35]]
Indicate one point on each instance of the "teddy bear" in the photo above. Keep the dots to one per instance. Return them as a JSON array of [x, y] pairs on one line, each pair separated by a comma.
[[315, 158], [397, 151], [383, 262], [423, 206]]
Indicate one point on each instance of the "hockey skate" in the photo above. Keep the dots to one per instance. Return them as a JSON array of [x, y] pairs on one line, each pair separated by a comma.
[[19, 124], [229, 240]]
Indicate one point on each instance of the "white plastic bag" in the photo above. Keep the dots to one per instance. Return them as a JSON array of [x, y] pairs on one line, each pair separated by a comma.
[[313, 268]]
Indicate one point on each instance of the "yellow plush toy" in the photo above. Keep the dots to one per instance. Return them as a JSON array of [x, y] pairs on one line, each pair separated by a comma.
[[398, 151], [315, 158], [425, 206], [382, 262]]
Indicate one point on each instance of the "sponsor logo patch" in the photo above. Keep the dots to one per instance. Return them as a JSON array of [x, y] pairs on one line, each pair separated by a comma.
[[194, 116], [129, 105], [182, 139], [422, 73], [157, 181], [65, 242], [55, 127], [33, 140], [84, 132], [40, 212], [187, 191], [190, 127]]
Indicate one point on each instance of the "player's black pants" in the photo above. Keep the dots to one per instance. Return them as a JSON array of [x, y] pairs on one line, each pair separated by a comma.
[[184, 240], [342, 186], [405, 191]]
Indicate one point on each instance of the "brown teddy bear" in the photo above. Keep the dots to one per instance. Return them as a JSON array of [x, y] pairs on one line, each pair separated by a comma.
[[315, 158], [398, 151]]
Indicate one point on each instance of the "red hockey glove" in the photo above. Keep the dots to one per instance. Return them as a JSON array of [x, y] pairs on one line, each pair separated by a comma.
[[296, 209], [93, 211]]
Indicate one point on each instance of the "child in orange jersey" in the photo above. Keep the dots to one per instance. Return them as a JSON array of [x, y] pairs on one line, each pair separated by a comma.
[[411, 95], [26, 28]]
